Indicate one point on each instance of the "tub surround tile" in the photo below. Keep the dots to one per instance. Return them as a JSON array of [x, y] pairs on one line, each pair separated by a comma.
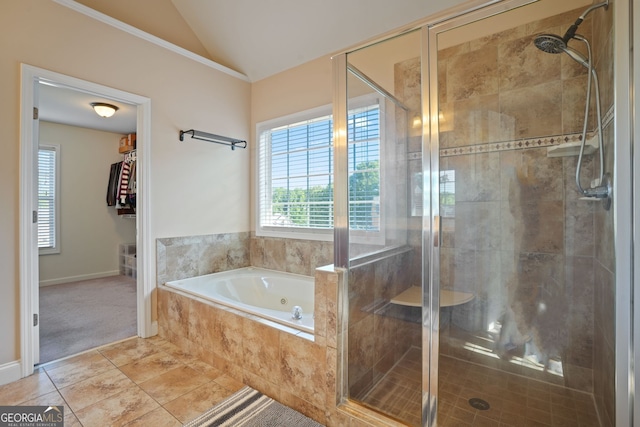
[[290, 255], [275, 254], [297, 257], [331, 283], [307, 365], [178, 314], [201, 321], [226, 338], [303, 369], [183, 257], [260, 346], [320, 306]]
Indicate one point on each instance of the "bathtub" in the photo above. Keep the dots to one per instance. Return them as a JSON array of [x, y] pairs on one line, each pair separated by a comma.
[[265, 293]]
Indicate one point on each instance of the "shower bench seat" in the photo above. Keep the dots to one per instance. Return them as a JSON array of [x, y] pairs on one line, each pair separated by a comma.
[[412, 297]]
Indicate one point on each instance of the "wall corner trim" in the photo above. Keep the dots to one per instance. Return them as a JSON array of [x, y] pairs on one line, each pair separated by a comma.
[[71, 4], [10, 372]]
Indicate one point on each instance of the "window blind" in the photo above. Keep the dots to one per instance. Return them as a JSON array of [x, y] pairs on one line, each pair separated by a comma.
[[47, 197], [298, 190], [363, 127], [296, 172]]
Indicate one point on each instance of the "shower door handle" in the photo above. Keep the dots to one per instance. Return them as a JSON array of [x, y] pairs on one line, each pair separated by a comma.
[[437, 231]]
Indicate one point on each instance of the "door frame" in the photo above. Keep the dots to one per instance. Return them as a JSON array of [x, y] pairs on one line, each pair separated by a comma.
[[29, 275]]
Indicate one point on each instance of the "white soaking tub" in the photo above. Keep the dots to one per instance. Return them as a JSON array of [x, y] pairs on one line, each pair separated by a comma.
[[270, 294]]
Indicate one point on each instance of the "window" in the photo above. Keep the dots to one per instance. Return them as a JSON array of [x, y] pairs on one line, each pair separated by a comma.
[[448, 193], [295, 172], [48, 195]]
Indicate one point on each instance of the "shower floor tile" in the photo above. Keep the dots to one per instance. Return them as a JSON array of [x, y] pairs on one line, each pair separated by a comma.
[[513, 400]]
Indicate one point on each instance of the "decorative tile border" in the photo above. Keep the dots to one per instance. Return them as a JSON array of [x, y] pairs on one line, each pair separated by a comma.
[[510, 145]]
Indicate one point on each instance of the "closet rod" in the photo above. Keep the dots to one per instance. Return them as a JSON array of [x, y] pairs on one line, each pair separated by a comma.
[[210, 137]]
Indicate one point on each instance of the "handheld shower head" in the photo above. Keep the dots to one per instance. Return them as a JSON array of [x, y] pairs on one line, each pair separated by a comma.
[[550, 43], [578, 57]]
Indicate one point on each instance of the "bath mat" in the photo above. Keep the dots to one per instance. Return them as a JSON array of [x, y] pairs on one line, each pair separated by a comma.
[[250, 408]]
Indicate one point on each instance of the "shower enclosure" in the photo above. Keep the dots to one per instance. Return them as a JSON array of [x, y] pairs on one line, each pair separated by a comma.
[[481, 280]]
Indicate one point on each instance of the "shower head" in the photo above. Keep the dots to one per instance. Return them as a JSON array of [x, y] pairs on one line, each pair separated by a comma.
[[550, 43]]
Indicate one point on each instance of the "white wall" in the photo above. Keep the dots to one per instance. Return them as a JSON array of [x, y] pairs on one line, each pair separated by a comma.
[[90, 231], [196, 187]]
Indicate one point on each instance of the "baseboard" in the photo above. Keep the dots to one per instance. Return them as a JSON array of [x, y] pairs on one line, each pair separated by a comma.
[[10, 372], [79, 278]]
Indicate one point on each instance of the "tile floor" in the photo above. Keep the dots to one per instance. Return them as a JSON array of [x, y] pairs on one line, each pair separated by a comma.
[[514, 400], [136, 382], [144, 382]]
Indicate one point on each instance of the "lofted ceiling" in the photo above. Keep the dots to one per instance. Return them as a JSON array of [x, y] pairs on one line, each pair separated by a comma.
[[260, 38], [257, 38]]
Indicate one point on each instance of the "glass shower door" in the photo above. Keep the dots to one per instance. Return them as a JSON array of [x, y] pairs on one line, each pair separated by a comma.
[[521, 261]]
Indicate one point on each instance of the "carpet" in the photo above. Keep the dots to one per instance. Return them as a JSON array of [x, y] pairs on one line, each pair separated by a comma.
[[250, 408], [79, 316]]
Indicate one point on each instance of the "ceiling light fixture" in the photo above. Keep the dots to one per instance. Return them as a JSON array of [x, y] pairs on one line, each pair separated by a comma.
[[104, 110]]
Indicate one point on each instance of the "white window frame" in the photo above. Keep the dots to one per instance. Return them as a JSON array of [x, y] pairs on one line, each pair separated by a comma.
[[55, 249], [312, 233]]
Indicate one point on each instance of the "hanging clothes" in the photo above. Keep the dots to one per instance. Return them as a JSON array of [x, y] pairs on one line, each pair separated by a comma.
[[122, 188], [112, 188], [132, 187], [123, 184]]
